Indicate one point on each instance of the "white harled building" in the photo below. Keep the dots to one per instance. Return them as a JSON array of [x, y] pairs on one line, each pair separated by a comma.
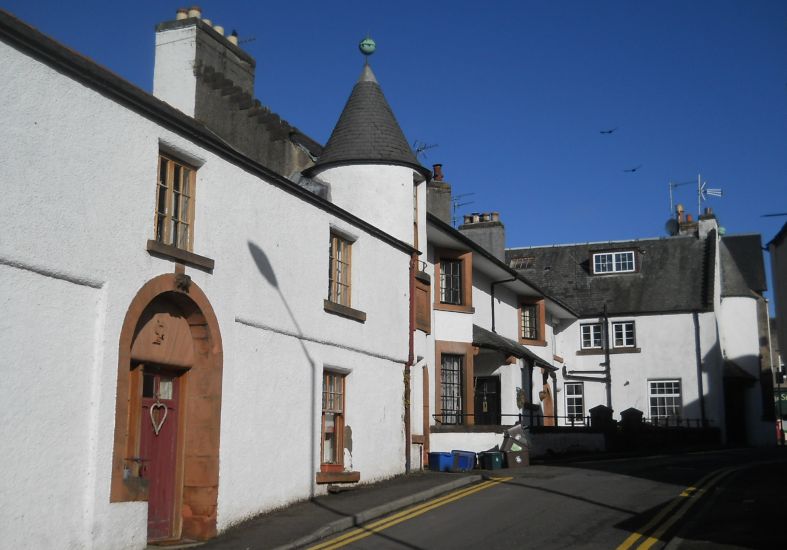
[[195, 331]]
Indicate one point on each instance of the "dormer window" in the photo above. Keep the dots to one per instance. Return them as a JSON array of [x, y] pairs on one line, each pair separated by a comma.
[[613, 262]]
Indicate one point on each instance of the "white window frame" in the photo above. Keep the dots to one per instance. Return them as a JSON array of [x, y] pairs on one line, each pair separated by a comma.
[[628, 340], [593, 338], [614, 262], [580, 396], [672, 404]]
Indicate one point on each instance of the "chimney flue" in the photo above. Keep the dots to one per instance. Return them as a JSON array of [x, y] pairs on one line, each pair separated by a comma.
[[438, 172], [182, 13], [195, 11], [233, 38]]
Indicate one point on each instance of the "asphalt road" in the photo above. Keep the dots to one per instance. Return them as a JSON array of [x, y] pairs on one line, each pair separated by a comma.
[[723, 499]]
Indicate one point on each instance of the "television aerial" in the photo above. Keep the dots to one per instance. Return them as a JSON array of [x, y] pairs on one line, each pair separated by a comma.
[[420, 148]]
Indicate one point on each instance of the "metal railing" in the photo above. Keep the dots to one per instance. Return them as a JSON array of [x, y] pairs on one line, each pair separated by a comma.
[[539, 420]]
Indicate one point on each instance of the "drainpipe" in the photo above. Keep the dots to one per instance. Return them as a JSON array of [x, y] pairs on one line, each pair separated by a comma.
[[410, 356], [553, 376], [698, 355], [607, 367], [530, 389], [492, 292]]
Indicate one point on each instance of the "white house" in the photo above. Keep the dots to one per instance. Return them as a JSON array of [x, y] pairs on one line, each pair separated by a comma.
[[485, 344], [673, 327], [192, 338]]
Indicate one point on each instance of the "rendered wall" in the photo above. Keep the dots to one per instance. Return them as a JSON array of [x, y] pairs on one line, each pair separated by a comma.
[[358, 189], [87, 168], [667, 345]]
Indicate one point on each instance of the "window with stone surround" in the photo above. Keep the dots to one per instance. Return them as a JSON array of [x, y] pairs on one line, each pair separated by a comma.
[[174, 216]]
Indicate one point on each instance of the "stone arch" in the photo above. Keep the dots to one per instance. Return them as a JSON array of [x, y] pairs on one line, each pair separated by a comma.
[[197, 473]]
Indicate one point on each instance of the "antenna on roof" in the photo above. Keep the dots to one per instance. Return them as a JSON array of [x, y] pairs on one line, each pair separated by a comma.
[[246, 40], [455, 204], [704, 192], [420, 148], [672, 185]]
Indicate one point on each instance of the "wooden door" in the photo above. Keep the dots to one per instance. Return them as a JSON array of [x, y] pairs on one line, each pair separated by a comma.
[[158, 448], [487, 400]]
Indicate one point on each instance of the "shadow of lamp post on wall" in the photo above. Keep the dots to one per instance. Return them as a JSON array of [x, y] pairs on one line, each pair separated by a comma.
[[266, 269]]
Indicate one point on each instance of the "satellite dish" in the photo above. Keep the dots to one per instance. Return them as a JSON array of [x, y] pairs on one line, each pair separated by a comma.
[[672, 227]]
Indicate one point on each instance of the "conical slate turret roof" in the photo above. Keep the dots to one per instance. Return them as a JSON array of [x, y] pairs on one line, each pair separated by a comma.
[[367, 131]]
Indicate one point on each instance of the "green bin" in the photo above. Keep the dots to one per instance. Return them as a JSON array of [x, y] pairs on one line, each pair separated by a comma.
[[491, 460]]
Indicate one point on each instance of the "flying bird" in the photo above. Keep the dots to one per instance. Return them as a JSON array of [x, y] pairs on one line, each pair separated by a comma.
[[608, 131], [633, 169]]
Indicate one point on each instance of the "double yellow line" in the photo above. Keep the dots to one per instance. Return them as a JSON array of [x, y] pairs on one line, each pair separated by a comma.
[[680, 504], [377, 526]]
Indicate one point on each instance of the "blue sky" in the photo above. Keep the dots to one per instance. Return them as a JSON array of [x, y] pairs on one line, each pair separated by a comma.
[[514, 95]]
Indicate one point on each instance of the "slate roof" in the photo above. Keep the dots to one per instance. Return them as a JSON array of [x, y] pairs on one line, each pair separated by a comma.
[[675, 275], [367, 131], [490, 340], [742, 265]]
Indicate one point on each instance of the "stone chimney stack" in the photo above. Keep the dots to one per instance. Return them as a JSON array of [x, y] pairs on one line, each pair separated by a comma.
[[438, 195], [707, 223], [193, 55], [487, 231]]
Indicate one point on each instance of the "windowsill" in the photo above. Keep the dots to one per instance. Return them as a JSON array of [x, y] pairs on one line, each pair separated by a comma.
[[459, 308], [344, 311], [338, 477], [526, 342], [178, 254], [613, 351]]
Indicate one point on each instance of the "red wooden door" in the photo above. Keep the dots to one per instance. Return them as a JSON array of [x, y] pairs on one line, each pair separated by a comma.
[[158, 449]]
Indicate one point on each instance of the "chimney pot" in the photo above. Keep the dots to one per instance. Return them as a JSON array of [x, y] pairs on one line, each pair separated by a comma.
[[182, 13], [438, 172], [468, 219], [208, 22], [688, 218], [708, 211], [233, 38], [219, 29], [476, 217], [195, 11], [495, 216]]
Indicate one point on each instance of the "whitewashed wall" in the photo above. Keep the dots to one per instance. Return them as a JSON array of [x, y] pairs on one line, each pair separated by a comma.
[[78, 184], [173, 72], [359, 189], [740, 340], [668, 351]]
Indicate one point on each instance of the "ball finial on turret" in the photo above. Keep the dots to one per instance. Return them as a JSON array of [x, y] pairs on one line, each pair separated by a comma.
[[367, 46]]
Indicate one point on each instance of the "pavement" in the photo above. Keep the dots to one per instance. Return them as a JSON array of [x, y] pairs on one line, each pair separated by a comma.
[[306, 522]]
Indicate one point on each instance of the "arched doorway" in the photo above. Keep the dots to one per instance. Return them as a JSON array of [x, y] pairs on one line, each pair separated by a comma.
[[168, 409]]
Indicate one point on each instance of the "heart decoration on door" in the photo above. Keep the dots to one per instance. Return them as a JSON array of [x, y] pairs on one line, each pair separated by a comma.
[[157, 425]]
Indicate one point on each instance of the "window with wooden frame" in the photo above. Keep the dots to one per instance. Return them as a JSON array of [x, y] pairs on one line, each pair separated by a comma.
[[665, 399], [174, 219], [339, 270], [532, 327], [454, 277], [614, 262], [575, 402], [592, 337], [623, 335], [332, 442]]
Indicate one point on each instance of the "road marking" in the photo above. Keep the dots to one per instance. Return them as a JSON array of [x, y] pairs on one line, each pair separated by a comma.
[[687, 493], [694, 498], [377, 526]]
